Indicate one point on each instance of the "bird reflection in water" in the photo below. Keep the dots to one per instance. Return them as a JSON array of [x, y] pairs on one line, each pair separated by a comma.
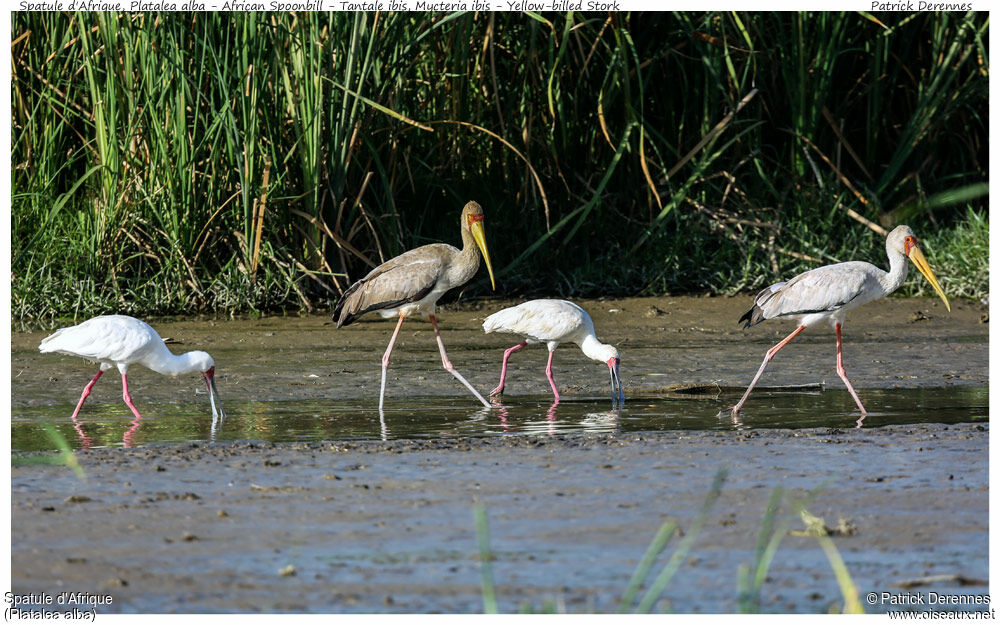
[[85, 441], [591, 422], [128, 439], [502, 414], [383, 428], [217, 421]]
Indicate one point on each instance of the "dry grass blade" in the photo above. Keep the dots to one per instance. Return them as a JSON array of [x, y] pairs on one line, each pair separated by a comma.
[[843, 141], [384, 109], [534, 174], [258, 218], [339, 240], [645, 169], [719, 127], [847, 183]]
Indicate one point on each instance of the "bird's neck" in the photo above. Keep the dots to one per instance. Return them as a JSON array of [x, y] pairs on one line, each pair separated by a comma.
[[593, 349], [899, 265], [167, 363], [468, 257]]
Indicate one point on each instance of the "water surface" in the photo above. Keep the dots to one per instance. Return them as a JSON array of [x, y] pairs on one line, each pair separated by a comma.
[[110, 425]]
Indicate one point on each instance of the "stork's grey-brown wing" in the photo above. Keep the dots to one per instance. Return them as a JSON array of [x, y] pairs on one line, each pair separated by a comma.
[[404, 279]]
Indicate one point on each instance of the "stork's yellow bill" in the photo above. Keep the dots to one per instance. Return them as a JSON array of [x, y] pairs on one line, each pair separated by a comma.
[[479, 234], [920, 261]]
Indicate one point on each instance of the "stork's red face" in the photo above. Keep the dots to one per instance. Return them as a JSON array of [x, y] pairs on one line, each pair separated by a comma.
[[908, 244]]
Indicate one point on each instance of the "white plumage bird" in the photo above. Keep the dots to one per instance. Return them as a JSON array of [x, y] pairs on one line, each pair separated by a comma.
[[121, 341], [827, 293], [553, 321]]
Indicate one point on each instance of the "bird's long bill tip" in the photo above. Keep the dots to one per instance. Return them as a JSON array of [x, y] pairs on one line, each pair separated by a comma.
[[213, 394], [617, 392], [918, 259], [476, 227]]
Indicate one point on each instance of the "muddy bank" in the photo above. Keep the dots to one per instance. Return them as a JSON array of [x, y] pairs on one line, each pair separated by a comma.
[[388, 527], [664, 341]]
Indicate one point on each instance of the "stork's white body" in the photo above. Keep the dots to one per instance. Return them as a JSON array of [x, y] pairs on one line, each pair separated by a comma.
[[551, 321], [827, 294]]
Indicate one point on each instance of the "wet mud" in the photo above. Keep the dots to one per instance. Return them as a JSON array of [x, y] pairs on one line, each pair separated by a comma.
[[371, 526], [388, 527], [665, 342]]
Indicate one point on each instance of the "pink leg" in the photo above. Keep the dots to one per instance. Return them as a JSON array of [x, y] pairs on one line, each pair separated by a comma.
[[385, 360], [86, 393], [843, 374], [450, 368], [127, 398], [767, 358], [548, 373], [503, 370]]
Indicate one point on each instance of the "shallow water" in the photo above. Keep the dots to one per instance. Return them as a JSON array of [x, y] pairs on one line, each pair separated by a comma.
[[301, 379], [110, 425]]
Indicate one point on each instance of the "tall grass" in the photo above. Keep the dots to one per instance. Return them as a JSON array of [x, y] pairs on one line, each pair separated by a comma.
[[167, 163]]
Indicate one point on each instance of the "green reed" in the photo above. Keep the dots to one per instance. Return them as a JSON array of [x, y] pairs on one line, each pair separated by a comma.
[[179, 163]]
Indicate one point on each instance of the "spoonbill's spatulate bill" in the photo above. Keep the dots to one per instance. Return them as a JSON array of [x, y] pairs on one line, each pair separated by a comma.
[[121, 341], [414, 281], [827, 293], [553, 321]]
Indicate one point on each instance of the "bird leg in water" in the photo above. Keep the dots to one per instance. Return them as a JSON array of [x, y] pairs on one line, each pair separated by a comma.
[[448, 366], [86, 393], [767, 358], [127, 398], [548, 373], [843, 375], [503, 370], [385, 360]]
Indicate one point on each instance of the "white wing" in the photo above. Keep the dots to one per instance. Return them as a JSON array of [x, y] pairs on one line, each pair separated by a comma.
[[110, 338], [542, 320]]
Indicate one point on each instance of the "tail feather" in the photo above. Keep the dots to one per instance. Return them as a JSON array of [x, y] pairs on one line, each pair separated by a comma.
[[504, 321], [50, 343], [756, 314], [752, 317], [344, 313], [356, 301], [490, 324]]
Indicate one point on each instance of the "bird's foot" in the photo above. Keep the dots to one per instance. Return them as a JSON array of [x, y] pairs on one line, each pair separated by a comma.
[[497, 392]]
